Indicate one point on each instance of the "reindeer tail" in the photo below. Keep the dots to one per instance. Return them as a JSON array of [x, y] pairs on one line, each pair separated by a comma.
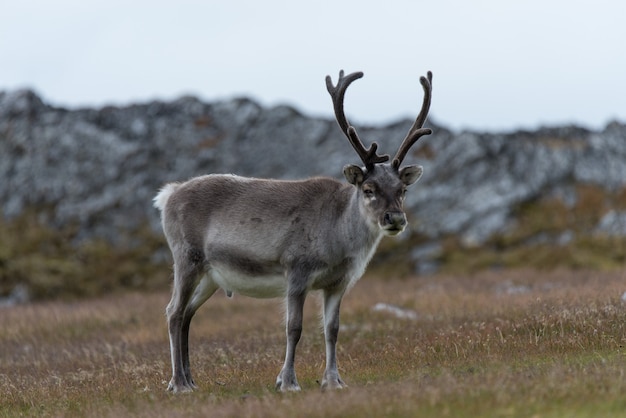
[[160, 200]]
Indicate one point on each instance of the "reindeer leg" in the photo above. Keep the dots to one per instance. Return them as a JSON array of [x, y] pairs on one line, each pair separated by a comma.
[[332, 302], [203, 291], [175, 315], [286, 380], [178, 319]]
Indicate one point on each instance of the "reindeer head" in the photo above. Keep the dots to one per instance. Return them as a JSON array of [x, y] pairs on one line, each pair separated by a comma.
[[380, 186]]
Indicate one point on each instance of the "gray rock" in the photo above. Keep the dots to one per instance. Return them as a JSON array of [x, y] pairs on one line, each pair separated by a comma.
[[612, 224], [100, 168]]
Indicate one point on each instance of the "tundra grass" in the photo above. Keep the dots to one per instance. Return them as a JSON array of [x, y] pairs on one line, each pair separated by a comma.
[[496, 344]]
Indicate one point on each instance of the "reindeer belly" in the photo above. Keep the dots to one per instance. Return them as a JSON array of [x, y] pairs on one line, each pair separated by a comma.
[[256, 286], [241, 272]]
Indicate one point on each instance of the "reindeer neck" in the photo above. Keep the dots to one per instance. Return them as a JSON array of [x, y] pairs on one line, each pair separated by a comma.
[[355, 224]]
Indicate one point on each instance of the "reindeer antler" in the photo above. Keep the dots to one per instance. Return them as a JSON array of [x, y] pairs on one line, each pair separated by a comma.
[[416, 131], [368, 156]]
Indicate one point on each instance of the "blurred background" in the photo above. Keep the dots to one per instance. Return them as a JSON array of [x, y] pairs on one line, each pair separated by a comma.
[[103, 102]]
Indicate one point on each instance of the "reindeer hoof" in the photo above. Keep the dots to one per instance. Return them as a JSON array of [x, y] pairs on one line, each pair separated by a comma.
[[288, 388], [180, 387], [283, 386], [333, 384]]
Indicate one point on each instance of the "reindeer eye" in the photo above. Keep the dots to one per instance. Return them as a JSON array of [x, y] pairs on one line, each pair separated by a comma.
[[368, 192]]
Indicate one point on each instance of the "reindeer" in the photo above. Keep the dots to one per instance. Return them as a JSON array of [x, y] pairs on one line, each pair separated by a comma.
[[276, 238]]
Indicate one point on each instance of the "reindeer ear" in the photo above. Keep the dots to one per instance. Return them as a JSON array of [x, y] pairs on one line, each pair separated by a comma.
[[410, 174], [354, 174]]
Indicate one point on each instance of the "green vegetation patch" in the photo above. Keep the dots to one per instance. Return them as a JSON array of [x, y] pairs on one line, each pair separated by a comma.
[[548, 234], [50, 263]]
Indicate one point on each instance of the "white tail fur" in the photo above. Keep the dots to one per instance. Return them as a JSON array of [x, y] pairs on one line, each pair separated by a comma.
[[160, 200]]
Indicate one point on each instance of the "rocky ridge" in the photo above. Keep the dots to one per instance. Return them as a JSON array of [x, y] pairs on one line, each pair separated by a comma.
[[100, 168]]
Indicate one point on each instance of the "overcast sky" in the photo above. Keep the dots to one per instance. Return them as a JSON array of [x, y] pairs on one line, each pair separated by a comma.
[[497, 65]]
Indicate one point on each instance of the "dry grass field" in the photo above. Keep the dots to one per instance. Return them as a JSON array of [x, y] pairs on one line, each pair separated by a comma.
[[499, 344]]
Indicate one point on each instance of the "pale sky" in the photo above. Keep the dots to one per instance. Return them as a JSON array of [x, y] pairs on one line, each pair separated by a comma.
[[497, 65]]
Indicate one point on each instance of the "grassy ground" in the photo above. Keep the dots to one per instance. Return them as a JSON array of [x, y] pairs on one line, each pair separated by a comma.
[[501, 344]]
